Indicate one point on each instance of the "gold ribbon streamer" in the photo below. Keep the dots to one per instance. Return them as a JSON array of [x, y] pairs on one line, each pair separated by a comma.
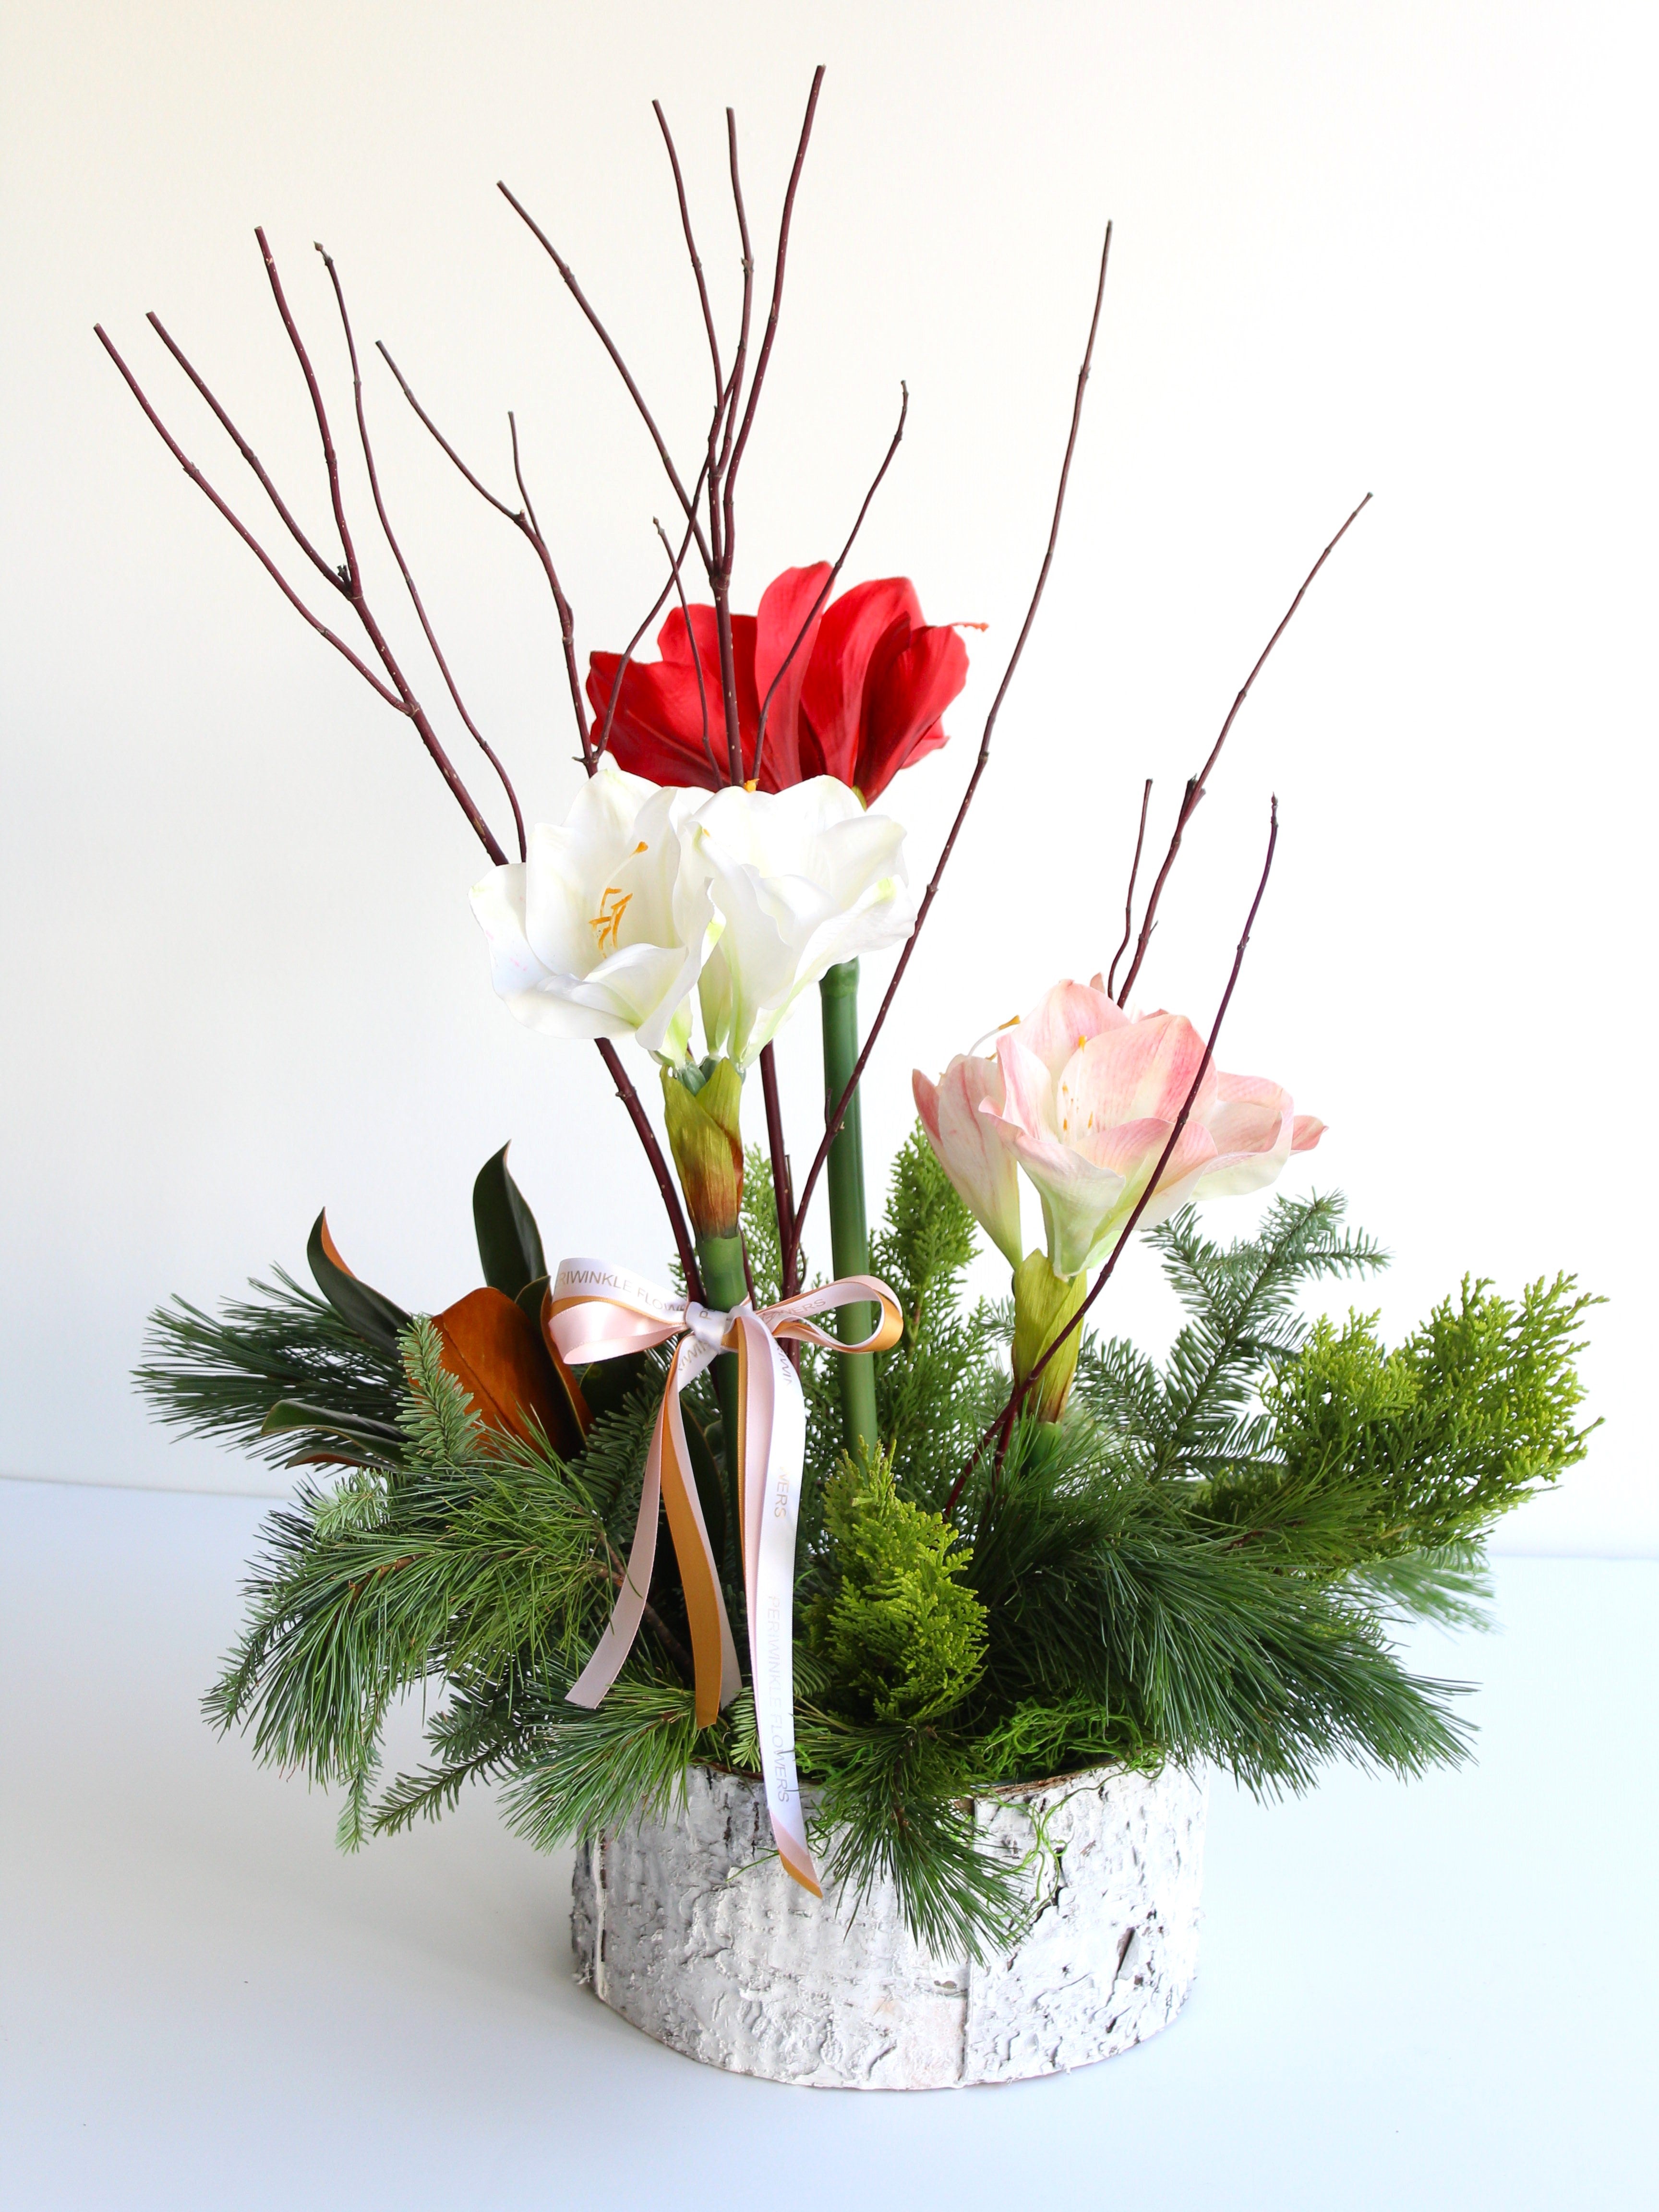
[[595, 1312]]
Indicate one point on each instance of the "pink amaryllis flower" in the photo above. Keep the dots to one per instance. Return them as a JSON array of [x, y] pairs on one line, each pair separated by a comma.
[[862, 697], [1084, 1098]]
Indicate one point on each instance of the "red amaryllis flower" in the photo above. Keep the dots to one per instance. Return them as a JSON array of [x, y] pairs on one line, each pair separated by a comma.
[[861, 699]]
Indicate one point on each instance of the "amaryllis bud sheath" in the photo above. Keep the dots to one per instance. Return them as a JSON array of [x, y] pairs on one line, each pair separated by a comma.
[[701, 1106]]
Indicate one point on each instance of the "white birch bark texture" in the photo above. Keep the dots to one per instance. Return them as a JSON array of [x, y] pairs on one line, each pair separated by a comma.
[[687, 1926]]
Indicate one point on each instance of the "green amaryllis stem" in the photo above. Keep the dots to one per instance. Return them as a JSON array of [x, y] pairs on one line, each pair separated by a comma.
[[849, 1231], [719, 1260]]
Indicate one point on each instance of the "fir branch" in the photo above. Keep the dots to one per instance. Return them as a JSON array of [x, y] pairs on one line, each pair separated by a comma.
[[1241, 1301]]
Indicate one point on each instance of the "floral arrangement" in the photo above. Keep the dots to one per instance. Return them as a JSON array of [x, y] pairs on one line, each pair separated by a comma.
[[919, 1545]]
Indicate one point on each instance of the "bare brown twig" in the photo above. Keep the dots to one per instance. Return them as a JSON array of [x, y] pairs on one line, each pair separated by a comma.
[[324, 567], [740, 358], [691, 248], [648, 1137], [720, 572], [691, 641], [605, 339], [833, 1121], [427, 630], [1129, 896], [764, 357], [354, 579], [787, 1267], [397, 692], [224, 509], [524, 520], [1195, 786], [656, 607]]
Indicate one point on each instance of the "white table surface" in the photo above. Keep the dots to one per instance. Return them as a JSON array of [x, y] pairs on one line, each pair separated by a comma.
[[1439, 1994]]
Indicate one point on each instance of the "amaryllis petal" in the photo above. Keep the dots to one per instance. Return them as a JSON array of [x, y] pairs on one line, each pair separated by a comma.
[[601, 930], [1307, 1130], [1064, 1018], [1027, 1088], [1250, 1128], [970, 1146], [1145, 1069], [786, 631], [849, 636], [801, 879], [909, 691], [665, 726], [1077, 1197]]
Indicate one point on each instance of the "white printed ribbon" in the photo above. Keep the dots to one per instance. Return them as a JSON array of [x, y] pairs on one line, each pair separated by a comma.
[[595, 1312]]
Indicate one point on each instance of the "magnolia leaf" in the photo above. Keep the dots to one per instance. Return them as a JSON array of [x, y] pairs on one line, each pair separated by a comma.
[[509, 1242], [374, 1318], [495, 1354], [533, 1301]]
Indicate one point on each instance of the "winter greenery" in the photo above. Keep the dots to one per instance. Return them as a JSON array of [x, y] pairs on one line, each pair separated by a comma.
[[1199, 1562]]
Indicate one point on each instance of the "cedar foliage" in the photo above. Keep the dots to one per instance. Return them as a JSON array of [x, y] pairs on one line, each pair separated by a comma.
[[1198, 1562]]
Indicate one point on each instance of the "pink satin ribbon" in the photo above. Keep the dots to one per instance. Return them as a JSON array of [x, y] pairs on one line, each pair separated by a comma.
[[595, 1312]]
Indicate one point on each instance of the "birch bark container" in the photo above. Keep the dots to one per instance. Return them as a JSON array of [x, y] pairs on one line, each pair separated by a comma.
[[686, 1925]]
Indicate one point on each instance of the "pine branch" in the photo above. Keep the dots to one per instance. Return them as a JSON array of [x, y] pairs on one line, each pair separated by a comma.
[[220, 1377]]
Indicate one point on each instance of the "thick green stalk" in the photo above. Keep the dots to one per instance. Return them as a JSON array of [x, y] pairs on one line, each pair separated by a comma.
[[719, 1260], [849, 1230]]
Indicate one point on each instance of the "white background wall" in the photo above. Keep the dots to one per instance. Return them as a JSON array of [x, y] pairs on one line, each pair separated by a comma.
[[1397, 247]]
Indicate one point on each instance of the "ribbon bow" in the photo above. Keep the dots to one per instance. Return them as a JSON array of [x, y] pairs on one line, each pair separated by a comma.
[[595, 1312]]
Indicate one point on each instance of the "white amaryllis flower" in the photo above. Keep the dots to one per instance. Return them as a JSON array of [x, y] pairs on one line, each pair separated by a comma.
[[801, 880], [602, 930]]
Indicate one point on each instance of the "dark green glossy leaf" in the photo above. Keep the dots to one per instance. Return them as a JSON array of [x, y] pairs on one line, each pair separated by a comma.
[[294, 1413], [608, 1384], [374, 1318], [509, 1242]]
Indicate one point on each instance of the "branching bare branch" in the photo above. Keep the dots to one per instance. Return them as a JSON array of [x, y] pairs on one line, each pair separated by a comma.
[[1195, 786], [524, 520], [384, 691], [833, 1122], [569, 274], [396, 551]]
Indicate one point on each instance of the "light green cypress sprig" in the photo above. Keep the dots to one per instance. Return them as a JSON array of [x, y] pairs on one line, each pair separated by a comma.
[[899, 1630]]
